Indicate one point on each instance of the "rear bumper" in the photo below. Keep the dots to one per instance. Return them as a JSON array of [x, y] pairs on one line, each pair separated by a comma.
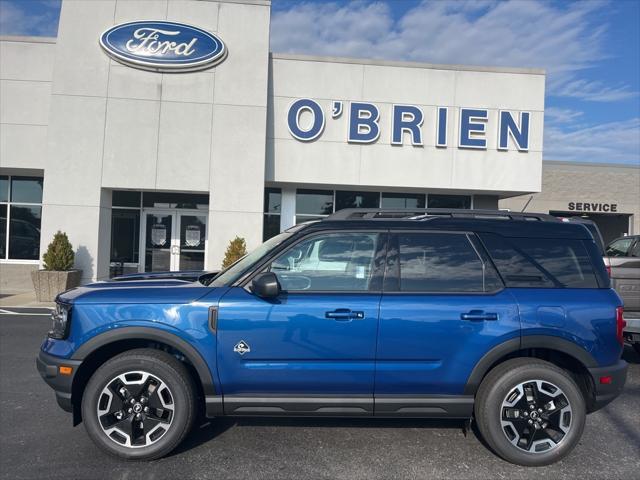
[[633, 324], [606, 392], [49, 369]]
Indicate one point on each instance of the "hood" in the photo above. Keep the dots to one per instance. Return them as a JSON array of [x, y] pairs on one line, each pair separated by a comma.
[[185, 275], [142, 291]]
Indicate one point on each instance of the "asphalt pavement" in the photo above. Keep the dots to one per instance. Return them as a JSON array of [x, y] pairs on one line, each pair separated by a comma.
[[37, 439]]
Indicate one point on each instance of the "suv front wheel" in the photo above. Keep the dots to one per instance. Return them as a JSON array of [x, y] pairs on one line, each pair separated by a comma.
[[139, 405], [530, 412]]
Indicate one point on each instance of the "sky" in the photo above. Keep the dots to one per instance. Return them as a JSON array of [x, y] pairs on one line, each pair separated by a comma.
[[590, 50]]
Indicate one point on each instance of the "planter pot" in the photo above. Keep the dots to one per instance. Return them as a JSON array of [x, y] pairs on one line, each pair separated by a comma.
[[48, 284]]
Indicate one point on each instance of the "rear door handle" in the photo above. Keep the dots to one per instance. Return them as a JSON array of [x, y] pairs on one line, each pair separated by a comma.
[[344, 314], [478, 315]]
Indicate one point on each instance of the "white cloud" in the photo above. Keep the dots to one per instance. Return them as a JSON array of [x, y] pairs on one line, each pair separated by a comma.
[[561, 115], [565, 39], [617, 142], [595, 91]]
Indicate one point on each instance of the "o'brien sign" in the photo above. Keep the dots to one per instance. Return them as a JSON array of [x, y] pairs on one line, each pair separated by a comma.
[[163, 46], [364, 124]]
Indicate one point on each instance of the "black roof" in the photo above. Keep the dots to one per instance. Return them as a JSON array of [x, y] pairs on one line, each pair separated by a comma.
[[504, 223]]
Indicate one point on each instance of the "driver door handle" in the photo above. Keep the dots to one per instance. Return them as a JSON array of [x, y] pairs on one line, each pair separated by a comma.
[[478, 315], [344, 314]]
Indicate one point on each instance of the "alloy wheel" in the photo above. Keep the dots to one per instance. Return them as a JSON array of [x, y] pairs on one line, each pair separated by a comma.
[[135, 409], [536, 416]]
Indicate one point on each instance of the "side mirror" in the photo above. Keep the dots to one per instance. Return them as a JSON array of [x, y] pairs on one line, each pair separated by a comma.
[[266, 285]]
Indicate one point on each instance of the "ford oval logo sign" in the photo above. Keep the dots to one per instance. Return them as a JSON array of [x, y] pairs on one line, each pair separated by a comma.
[[163, 46]]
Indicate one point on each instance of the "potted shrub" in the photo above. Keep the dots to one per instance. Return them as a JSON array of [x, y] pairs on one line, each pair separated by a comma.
[[235, 251], [58, 274]]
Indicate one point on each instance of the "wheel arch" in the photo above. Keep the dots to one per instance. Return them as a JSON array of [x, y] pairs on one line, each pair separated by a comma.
[[559, 351], [101, 348]]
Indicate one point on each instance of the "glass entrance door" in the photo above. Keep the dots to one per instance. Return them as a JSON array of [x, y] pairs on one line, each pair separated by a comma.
[[191, 248], [173, 240]]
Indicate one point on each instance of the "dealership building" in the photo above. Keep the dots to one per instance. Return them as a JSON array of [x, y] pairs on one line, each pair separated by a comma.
[[152, 143]]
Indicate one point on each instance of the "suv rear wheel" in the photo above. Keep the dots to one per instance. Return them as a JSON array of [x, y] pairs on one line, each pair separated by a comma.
[[139, 405], [530, 412]]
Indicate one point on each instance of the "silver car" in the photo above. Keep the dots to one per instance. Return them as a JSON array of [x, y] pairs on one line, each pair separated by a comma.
[[622, 258]]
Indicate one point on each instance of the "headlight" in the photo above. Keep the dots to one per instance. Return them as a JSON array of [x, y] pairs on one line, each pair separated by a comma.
[[60, 319]]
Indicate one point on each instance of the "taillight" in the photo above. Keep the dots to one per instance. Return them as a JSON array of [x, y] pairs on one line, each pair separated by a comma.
[[608, 267], [620, 324]]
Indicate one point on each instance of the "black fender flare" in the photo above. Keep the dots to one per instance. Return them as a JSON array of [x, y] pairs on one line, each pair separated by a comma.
[[151, 334], [513, 345]]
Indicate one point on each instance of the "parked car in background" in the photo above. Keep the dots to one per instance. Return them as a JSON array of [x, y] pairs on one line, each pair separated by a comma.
[[622, 258], [509, 319]]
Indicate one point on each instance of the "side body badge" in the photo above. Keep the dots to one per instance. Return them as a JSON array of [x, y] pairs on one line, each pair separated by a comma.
[[242, 347]]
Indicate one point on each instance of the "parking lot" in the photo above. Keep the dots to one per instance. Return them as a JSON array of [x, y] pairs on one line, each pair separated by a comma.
[[38, 441]]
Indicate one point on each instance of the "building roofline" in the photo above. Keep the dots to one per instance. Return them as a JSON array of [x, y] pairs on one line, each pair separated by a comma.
[[589, 164], [392, 63], [27, 39]]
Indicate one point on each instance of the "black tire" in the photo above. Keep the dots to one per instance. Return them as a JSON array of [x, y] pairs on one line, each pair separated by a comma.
[[501, 382], [160, 365], [636, 347]]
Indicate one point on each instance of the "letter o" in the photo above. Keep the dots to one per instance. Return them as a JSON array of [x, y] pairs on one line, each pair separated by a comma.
[[293, 117]]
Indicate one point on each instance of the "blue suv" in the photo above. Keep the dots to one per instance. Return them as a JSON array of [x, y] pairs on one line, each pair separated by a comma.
[[506, 319]]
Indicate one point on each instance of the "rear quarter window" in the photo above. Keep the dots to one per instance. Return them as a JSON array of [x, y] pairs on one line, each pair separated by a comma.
[[541, 262]]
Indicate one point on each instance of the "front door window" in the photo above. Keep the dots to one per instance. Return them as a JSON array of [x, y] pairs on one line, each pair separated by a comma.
[[334, 262]]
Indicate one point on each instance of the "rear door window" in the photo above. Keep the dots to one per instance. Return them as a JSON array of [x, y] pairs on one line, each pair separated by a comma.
[[541, 262], [442, 262]]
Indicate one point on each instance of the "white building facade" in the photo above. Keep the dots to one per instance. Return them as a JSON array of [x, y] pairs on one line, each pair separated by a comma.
[[148, 170]]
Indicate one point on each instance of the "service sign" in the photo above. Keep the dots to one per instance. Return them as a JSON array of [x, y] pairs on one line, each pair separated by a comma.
[[163, 46]]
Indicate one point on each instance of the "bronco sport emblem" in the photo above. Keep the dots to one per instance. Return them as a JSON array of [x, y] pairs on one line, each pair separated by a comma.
[[242, 347]]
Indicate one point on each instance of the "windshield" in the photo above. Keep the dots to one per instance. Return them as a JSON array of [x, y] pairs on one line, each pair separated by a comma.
[[235, 271]]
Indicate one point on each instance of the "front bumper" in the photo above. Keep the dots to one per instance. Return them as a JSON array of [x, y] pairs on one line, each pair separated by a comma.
[[606, 392], [49, 369]]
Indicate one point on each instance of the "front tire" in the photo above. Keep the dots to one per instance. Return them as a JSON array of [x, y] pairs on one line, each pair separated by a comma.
[[530, 412], [139, 405]]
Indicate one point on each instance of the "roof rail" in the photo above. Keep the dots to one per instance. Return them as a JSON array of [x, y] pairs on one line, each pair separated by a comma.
[[425, 213]]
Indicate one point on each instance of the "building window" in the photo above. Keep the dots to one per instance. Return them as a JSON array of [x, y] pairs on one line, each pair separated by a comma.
[[403, 200], [124, 198], [449, 201], [125, 232], [348, 199], [272, 211], [194, 201], [313, 204], [20, 217], [317, 204], [125, 236]]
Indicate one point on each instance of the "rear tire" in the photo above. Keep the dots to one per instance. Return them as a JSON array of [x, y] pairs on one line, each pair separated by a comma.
[[139, 405], [530, 412], [636, 347]]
